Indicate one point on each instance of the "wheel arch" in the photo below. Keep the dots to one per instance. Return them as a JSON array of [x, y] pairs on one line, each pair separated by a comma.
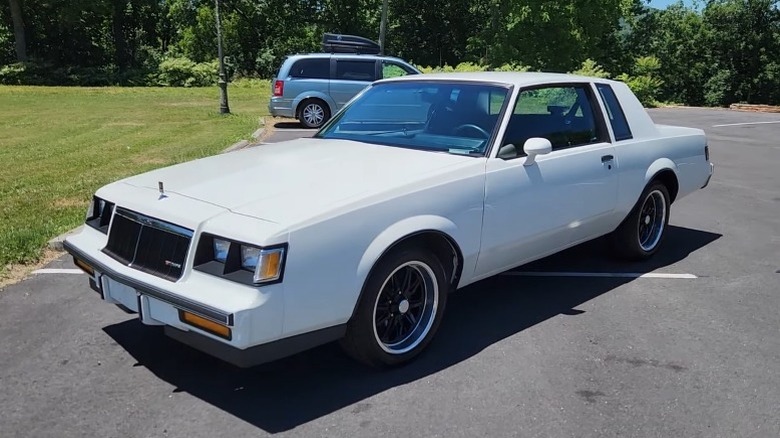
[[313, 95], [431, 231], [664, 170]]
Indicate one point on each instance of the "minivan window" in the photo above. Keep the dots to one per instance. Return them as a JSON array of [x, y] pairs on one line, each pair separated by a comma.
[[616, 117], [356, 70], [314, 68], [392, 70]]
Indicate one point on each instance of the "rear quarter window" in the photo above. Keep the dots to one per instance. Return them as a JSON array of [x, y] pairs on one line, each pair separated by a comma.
[[315, 68], [617, 118]]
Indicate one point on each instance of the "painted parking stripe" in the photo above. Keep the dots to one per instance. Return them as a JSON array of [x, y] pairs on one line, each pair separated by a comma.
[[747, 123], [602, 275], [58, 271]]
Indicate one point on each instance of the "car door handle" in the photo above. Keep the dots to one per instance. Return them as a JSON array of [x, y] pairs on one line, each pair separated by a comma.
[[607, 158]]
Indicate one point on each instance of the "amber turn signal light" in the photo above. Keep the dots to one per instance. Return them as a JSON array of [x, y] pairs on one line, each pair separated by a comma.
[[208, 325], [84, 267]]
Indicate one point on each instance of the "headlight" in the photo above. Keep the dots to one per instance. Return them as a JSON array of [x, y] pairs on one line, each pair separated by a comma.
[[240, 262], [99, 214], [221, 249]]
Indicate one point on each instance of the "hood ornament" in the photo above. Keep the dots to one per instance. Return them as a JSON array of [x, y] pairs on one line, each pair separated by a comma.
[[162, 190]]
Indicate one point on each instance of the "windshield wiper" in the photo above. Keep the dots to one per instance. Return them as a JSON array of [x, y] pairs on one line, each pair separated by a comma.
[[474, 152], [404, 130]]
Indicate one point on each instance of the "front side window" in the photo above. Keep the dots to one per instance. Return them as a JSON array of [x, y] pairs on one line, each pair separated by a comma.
[[565, 115], [458, 118], [356, 70], [316, 68]]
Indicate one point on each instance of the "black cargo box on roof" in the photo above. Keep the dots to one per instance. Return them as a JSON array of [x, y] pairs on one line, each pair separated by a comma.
[[336, 43]]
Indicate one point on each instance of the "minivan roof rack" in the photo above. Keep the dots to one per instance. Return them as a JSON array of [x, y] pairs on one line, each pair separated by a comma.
[[337, 43]]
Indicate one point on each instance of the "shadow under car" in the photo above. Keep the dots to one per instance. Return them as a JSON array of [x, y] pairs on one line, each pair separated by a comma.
[[318, 382]]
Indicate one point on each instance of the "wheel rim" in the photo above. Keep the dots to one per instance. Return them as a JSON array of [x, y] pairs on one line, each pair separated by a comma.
[[405, 307], [313, 114], [652, 220]]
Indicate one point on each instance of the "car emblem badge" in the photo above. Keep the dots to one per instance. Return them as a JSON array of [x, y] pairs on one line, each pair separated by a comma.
[[162, 190], [172, 264]]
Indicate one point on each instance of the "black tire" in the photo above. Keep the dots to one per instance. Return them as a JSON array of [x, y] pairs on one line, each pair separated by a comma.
[[313, 113], [371, 337], [642, 232]]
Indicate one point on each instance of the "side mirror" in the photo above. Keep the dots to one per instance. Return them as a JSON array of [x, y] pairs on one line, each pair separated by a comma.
[[536, 146]]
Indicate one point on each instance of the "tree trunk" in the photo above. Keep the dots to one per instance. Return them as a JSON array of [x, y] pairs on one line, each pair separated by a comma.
[[20, 43], [121, 55]]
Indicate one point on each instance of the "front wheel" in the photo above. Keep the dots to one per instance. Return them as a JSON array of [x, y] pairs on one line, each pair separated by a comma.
[[400, 309], [641, 233]]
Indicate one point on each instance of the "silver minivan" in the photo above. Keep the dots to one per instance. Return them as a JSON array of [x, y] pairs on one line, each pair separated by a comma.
[[313, 87]]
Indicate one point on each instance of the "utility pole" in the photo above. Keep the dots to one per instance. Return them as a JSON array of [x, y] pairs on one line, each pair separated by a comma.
[[383, 28], [223, 96]]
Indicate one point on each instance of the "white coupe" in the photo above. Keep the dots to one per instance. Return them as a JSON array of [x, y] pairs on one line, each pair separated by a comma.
[[420, 186]]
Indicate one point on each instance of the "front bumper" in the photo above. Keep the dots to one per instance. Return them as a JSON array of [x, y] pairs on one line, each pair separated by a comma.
[[252, 317]]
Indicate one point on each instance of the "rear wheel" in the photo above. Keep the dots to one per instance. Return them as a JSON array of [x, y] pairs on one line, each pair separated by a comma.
[[641, 233], [313, 113], [400, 309]]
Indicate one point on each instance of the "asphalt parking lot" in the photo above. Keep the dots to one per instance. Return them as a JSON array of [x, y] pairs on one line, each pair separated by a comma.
[[547, 355]]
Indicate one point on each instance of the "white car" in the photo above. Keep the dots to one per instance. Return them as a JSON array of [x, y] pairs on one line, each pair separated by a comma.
[[419, 186]]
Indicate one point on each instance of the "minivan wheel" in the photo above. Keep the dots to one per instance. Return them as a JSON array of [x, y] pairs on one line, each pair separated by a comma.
[[641, 233], [313, 113], [399, 310]]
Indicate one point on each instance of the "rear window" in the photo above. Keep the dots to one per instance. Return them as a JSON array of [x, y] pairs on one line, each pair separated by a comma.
[[356, 70], [316, 68], [616, 116]]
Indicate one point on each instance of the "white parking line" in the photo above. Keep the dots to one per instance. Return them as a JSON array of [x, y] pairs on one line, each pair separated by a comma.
[[743, 124], [58, 271], [602, 275]]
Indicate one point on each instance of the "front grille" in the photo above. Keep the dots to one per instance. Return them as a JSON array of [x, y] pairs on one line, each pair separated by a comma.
[[148, 244]]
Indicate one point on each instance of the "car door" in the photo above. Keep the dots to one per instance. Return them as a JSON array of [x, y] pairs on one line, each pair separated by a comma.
[[538, 209], [350, 77]]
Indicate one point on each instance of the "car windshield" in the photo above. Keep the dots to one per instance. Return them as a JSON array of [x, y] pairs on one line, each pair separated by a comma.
[[453, 117]]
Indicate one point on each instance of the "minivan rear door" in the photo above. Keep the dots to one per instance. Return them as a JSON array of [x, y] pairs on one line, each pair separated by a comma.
[[307, 74], [350, 77]]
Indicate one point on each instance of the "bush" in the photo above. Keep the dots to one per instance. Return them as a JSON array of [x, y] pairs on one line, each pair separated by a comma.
[[590, 68], [717, 89], [13, 74], [466, 67], [644, 82], [183, 72]]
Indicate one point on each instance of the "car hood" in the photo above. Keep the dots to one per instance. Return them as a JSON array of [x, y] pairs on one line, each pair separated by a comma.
[[291, 181]]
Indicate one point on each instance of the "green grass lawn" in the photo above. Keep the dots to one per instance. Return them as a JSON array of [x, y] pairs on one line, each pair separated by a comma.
[[59, 144]]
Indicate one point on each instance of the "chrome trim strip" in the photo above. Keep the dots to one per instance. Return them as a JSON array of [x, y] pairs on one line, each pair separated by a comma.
[[176, 301], [154, 223]]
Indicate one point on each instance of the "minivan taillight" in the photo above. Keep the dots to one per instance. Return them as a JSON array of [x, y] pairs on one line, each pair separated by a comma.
[[278, 88]]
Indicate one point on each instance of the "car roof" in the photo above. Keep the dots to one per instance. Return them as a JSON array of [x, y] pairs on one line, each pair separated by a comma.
[[520, 79], [342, 55]]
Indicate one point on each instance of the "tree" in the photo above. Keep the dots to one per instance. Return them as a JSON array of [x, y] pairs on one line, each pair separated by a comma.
[[20, 43]]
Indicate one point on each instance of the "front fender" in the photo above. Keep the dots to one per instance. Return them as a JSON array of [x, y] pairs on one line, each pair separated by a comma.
[[395, 233], [316, 95]]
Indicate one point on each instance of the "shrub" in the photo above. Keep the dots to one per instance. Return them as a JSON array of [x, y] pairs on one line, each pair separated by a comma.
[[717, 89], [644, 82], [472, 67], [591, 68], [183, 72], [13, 74]]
